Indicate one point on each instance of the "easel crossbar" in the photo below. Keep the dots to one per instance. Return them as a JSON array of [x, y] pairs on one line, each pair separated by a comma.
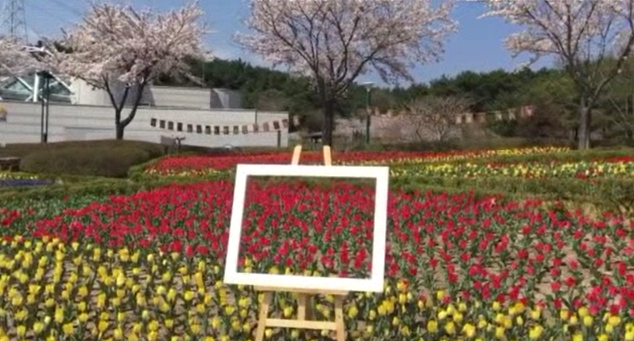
[[298, 324], [303, 291]]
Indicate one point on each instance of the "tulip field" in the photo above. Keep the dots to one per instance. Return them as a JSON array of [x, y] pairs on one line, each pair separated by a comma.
[[459, 266]]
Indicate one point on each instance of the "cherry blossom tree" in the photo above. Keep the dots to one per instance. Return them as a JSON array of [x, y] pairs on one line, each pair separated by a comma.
[[336, 41], [591, 39], [17, 59], [117, 44]]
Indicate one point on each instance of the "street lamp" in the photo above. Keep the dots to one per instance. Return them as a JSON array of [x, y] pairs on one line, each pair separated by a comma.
[[368, 101], [46, 76]]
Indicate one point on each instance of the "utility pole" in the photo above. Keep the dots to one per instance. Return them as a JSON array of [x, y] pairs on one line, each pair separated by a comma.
[[368, 109], [14, 20]]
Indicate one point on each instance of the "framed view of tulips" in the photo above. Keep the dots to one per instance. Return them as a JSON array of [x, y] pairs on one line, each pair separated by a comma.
[[374, 283]]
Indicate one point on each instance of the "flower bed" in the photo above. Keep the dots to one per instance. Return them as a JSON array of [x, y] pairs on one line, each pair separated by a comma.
[[149, 266], [17, 176], [24, 183], [619, 167], [187, 166]]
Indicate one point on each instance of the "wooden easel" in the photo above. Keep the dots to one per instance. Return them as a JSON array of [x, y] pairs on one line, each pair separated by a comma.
[[301, 322]]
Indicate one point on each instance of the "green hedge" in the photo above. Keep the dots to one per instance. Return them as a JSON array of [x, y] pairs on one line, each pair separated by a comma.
[[94, 161], [24, 149], [101, 187]]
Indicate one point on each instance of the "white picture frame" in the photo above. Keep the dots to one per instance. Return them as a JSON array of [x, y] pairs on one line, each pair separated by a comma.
[[281, 281]]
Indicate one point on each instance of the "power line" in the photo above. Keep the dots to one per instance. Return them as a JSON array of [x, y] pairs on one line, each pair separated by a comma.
[[67, 7], [48, 12]]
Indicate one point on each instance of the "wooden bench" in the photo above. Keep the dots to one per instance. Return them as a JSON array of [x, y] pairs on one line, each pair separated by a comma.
[[9, 163], [312, 139]]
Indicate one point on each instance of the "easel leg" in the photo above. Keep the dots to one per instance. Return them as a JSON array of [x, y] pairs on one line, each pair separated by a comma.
[[339, 322], [264, 313], [301, 307]]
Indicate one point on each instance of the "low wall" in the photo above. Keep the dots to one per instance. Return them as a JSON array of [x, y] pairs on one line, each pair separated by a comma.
[[81, 122]]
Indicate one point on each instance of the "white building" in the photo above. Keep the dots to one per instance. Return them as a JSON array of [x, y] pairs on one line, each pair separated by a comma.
[[77, 111], [77, 91]]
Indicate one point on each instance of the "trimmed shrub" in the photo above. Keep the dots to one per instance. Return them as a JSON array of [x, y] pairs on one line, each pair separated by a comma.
[[86, 161], [24, 149]]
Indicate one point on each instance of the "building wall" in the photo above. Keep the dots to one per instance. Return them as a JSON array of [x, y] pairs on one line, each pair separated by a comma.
[[159, 96], [85, 94], [175, 97], [225, 98], [82, 122]]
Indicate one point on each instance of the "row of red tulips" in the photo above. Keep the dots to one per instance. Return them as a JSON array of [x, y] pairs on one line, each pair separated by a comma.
[[486, 248], [180, 164]]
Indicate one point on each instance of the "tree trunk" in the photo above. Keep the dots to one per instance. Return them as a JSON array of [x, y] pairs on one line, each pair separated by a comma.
[[584, 125], [328, 124], [122, 124], [120, 128]]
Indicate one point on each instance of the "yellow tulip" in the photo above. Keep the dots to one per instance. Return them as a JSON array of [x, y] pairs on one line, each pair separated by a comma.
[[59, 314], [535, 332], [102, 326], [536, 313], [268, 333], [583, 312], [614, 321], [215, 322], [432, 326], [68, 329], [353, 311], [396, 321], [83, 317], [20, 330], [499, 333], [118, 334], [38, 327], [196, 328], [564, 314], [469, 330], [288, 311]]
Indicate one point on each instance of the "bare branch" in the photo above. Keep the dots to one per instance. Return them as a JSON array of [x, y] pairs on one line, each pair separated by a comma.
[[436, 116]]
